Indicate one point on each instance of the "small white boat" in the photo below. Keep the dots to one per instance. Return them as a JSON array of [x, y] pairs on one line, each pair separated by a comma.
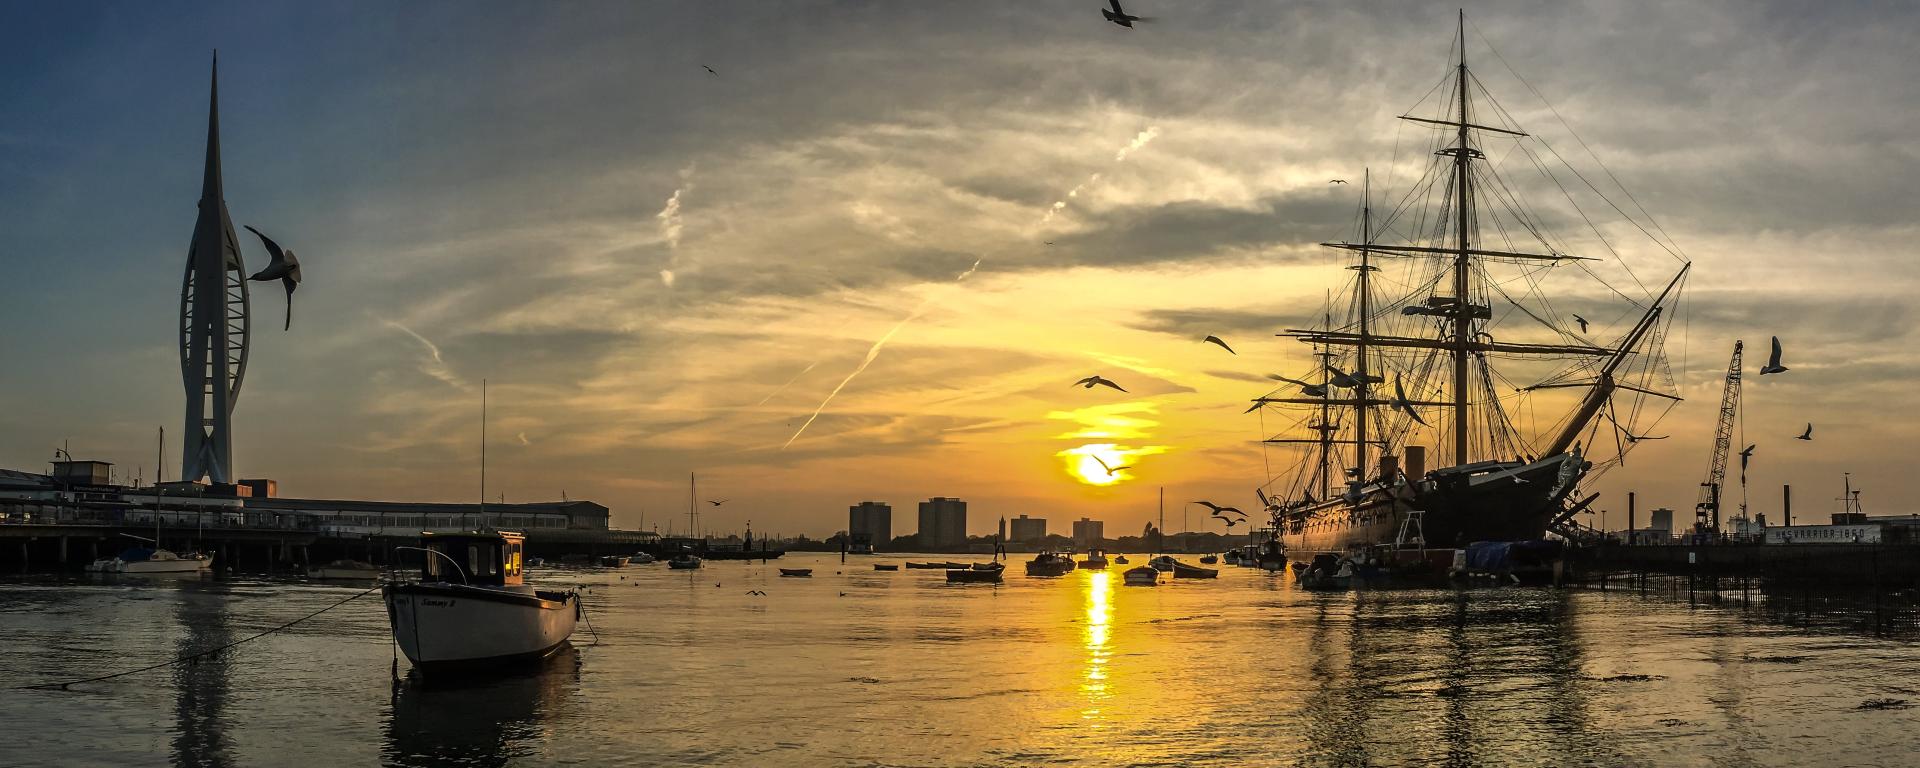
[[149, 560], [1142, 576], [471, 606], [642, 558], [683, 561], [345, 570]]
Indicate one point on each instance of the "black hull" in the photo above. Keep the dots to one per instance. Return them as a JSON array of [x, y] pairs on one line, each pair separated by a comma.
[[494, 664], [1491, 501]]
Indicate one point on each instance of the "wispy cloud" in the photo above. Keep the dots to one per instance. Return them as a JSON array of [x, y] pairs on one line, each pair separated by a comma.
[[672, 225], [1139, 142], [434, 365]]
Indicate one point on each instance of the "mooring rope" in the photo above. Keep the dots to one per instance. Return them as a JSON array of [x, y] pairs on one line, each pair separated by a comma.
[[580, 598], [192, 656]]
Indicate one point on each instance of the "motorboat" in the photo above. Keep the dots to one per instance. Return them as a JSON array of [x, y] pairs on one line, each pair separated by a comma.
[[1119, 559], [613, 561], [1096, 560], [1050, 564], [987, 566], [535, 562], [1209, 559], [926, 566], [642, 558], [151, 560], [1162, 563], [802, 572], [971, 575], [684, 561], [345, 570], [1272, 556], [1183, 571], [1326, 572], [885, 567], [950, 565], [472, 607], [1141, 576]]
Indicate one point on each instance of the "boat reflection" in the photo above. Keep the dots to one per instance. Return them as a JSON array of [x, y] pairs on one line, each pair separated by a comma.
[[490, 720]]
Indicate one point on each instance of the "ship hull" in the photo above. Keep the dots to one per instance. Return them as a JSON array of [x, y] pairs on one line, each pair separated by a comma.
[[1490, 501]]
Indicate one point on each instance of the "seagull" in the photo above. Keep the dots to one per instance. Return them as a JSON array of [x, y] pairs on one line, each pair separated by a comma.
[[709, 70], [1773, 363], [284, 268], [1049, 242], [1400, 402], [1258, 403], [1110, 470], [1091, 381], [1223, 345], [1230, 522], [1807, 435], [716, 502], [1349, 381], [1338, 181], [755, 592], [1745, 455], [1633, 438], [1218, 509], [1119, 16], [1312, 390], [1582, 321]]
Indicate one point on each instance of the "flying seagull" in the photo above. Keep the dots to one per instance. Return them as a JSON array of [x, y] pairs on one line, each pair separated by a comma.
[[1582, 321], [1229, 521], [1745, 455], [1218, 509], [1092, 381], [1807, 435], [1401, 404], [1258, 403], [709, 70], [1633, 438], [1312, 390], [1349, 381], [716, 502], [1773, 363], [284, 268], [1119, 16], [1110, 469], [1223, 345], [1338, 181]]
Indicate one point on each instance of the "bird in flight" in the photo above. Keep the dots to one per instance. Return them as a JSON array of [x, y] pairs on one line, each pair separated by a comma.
[[1097, 381], [1403, 405], [1345, 380], [1217, 509], [1773, 363], [284, 268], [1110, 469], [1223, 344], [1633, 438], [1807, 435], [1582, 321], [1228, 520], [1745, 455], [716, 502], [1258, 403], [1312, 390], [1338, 181], [1119, 16], [709, 70]]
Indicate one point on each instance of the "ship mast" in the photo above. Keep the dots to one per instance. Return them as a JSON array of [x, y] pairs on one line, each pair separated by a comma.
[[1462, 262], [1360, 371]]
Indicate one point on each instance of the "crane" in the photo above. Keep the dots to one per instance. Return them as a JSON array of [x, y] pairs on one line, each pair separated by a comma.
[[1706, 512]]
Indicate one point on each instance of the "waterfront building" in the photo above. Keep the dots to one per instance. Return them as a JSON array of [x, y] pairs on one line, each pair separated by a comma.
[[1088, 534], [1027, 530], [870, 523], [943, 522]]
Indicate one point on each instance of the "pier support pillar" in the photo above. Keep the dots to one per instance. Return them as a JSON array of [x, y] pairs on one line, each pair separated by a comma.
[[63, 550], [23, 555]]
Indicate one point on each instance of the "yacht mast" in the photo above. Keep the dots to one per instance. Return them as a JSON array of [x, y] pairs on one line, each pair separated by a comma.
[[1462, 261]]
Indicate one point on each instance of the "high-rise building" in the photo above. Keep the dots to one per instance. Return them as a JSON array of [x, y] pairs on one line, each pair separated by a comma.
[[1088, 534], [1027, 529], [943, 522], [870, 522]]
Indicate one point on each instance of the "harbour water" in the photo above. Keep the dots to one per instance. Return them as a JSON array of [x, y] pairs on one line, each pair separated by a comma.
[[858, 667]]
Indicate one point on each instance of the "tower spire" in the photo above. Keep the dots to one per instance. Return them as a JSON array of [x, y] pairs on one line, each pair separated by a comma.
[[213, 320]]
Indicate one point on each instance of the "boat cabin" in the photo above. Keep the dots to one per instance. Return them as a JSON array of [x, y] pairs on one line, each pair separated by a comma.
[[492, 559]]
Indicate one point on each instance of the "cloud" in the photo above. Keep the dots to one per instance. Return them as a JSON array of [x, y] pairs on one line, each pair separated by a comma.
[[433, 365]]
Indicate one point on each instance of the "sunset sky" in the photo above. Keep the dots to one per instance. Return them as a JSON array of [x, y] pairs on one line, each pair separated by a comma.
[[660, 270]]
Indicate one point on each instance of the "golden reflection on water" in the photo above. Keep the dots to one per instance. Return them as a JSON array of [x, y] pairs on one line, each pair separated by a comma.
[[1098, 633]]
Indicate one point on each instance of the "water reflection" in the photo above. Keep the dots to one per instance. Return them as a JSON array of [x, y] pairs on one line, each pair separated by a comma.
[[1098, 632], [490, 720], [201, 688]]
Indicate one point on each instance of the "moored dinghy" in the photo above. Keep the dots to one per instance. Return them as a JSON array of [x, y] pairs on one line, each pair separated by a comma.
[[982, 575], [471, 606], [1142, 576], [1050, 564], [796, 571]]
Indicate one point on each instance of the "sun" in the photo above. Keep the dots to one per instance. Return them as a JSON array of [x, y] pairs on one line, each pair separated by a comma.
[[1085, 463]]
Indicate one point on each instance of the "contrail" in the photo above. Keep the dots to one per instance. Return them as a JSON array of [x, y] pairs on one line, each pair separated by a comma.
[[872, 352], [671, 225], [1140, 141], [781, 388], [438, 368]]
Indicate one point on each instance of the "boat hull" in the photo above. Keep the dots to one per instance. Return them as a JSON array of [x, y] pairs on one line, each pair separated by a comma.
[[440, 626], [189, 564], [1493, 501]]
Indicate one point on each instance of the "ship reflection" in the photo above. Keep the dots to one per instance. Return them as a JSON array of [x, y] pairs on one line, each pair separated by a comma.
[[1099, 629], [485, 720]]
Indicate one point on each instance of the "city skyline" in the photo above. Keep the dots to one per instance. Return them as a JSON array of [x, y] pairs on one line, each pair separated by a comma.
[[628, 254]]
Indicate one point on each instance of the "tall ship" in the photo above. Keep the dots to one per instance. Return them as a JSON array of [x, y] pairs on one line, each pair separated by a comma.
[[1523, 361]]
